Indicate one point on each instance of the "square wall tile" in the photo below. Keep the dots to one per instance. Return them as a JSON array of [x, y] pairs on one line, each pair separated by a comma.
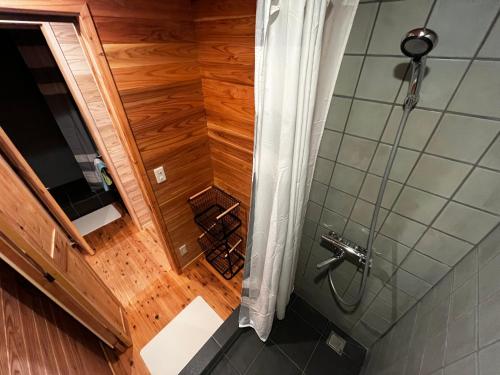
[[465, 269], [332, 221], [379, 79], [424, 267], [453, 130], [418, 205], [438, 318], [356, 233], [464, 299], [309, 228], [465, 366], [313, 211], [382, 269], [348, 75], [481, 190], [492, 157], [361, 28], [323, 170], [479, 92], [492, 46], [489, 324], [417, 130], [305, 250], [488, 248], [439, 83], [389, 249], [456, 23], [339, 202], [391, 303], [338, 113], [433, 354], [462, 337], [376, 322], [371, 186], [442, 247], [367, 119], [356, 152], [403, 163], [329, 145], [409, 283], [489, 360], [489, 279], [347, 179], [438, 175], [464, 222], [362, 213], [394, 20], [402, 229], [318, 192]]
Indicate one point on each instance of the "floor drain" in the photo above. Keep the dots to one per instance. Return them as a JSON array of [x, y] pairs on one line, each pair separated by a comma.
[[336, 342]]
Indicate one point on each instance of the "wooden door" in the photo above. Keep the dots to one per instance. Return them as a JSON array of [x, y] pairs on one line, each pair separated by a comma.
[[33, 243], [29, 176]]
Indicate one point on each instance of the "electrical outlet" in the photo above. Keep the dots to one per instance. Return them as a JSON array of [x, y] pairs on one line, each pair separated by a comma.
[[183, 250], [160, 174]]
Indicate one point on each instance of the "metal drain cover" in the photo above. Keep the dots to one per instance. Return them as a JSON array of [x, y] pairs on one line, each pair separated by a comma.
[[336, 342]]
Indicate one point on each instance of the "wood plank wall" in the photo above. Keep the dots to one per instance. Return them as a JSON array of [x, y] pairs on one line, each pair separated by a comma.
[[38, 337], [72, 52], [225, 32], [152, 52], [155, 53]]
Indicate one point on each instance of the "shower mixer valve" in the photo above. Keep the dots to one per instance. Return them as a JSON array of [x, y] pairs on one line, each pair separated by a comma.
[[342, 248]]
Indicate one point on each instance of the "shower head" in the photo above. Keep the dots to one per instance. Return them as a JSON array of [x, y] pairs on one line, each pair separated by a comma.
[[418, 43]]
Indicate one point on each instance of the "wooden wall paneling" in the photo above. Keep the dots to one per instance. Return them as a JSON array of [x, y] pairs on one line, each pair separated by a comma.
[[153, 58], [53, 7], [225, 33], [42, 339], [66, 47], [15, 337], [129, 32], [102, 72]]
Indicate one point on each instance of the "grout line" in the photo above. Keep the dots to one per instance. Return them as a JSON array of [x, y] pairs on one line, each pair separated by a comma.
[[443, 112], [254, 359], [347, 118], [399, 214], [431, 56], [407, 217], [430, 109], [312, 354], [415, 187]]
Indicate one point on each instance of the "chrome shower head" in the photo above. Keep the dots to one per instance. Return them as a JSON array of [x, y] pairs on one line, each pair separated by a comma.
[[418, 42]]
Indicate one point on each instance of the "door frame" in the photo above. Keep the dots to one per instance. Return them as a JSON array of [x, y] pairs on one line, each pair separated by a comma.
[[96, 58]]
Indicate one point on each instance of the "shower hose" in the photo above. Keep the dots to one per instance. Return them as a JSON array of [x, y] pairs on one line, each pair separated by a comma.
[[409, 104]]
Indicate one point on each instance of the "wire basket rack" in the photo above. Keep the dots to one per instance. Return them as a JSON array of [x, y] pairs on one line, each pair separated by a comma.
[[216, 213]]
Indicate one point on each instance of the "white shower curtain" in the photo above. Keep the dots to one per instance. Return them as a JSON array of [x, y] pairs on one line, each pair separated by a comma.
[[299, 46]]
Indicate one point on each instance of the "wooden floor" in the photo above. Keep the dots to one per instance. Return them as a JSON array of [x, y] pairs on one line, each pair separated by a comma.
[[134, 267]]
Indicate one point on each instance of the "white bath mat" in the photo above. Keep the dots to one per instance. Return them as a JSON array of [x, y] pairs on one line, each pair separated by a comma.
[[97, 219], [177, 343]]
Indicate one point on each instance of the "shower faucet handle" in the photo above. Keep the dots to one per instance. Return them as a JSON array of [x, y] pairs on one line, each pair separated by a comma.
[[332, 260]]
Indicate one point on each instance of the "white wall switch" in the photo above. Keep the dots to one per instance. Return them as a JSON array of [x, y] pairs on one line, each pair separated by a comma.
[[160, 174], [183, 250]]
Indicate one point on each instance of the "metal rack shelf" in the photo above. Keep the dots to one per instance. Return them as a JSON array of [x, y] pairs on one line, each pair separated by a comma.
[[216, 213]]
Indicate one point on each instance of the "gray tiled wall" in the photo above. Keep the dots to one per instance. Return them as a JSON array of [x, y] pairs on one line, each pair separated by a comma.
[[444, 194], [455, 328]]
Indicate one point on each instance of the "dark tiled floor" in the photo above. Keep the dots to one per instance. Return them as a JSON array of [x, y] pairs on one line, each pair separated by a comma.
[[297, 345]]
